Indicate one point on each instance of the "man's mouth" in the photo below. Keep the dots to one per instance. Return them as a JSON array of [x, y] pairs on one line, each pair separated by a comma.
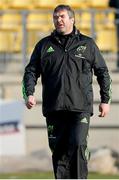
[[60, 25]]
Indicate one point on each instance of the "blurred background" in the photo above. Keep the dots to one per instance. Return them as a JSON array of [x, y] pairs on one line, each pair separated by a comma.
[[23, 137]]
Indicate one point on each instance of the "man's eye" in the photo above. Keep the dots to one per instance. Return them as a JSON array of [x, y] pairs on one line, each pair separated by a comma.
[[62, 16], [56, 17]]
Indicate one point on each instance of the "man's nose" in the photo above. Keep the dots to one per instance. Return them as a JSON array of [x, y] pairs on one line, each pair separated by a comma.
[[59, 19]]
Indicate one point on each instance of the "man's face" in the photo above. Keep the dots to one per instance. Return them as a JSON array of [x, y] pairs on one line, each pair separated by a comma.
[[62, 22]]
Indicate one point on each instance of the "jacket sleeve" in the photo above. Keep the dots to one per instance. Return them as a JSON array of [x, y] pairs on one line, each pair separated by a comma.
[[32, 73], [102, 74]]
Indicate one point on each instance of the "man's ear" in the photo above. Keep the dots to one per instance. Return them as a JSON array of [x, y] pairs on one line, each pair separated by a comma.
[[72, 20]]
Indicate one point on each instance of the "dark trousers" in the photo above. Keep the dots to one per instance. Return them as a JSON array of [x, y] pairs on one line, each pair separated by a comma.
[[67, 135]]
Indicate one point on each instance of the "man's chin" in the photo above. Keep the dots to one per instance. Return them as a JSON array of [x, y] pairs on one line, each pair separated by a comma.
[[60, 31]]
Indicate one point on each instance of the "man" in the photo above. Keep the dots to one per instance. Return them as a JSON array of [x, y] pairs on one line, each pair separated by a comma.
[[115, 4], [66, 60]]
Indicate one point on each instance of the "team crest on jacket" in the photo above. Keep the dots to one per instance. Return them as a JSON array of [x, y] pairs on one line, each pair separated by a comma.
[[79, 52], [81, 49]]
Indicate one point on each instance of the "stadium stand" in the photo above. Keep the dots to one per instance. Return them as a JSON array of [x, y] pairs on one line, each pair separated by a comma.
[[20, 4], [109, 20], [99, 20], [10, 32], [76, 4], [40, 24], [99, 4], [39, 21], [83, 22], [106, 40], [4, 44], [3, 4], [103, 19], [105, 31], [46, 4], [10, 21], [11, 42]]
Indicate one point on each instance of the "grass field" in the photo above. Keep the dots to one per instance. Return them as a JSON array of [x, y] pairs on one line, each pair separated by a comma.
[[49, 175]]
